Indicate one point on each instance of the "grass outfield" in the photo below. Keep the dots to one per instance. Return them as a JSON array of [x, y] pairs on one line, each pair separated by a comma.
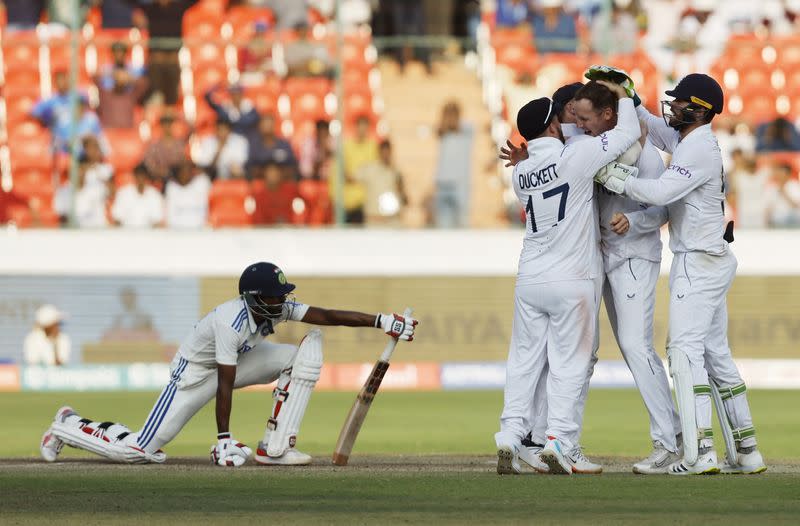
[[383, 486]]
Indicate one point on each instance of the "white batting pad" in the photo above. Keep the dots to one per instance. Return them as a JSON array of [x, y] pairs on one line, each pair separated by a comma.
[[681, 372], [291, 401]]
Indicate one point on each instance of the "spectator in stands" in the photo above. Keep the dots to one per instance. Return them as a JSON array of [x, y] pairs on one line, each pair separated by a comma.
[[119, 60], [274, 195], [513, 13], [138, 205], [255, 58], [165, 25], [119, 14], [46, 344], [90, 199], [748, 192], [779, 135], [453, 171], [316, 153], [354, 197], [267, 147], [306, 57], [408, 20], [615, 31], [223, 154], [361, 149], [783, 198], [383, 183], [55, 113], [239, 112], [118, 103], [186, 197], [289, 13], [98, 171], [554, 30], [165, 152], [22, 15]]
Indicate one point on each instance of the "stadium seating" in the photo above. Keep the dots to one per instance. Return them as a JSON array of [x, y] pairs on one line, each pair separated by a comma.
[[126, 149], [228, 204]]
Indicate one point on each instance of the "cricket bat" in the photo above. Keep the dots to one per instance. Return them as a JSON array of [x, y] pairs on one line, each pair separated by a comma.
[[355, 418]]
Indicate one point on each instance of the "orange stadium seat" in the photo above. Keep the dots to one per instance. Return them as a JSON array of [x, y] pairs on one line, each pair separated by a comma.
[[307, 98], [264, 97], [207, 53], [200, 25], [358, 103], [788, 49], [755, 105], [127, 148], [744, 49], [24, 218], [30, 151], [19, 105], [21, 51], [27, 76], [208, 76], [31, 177], [227, 203]]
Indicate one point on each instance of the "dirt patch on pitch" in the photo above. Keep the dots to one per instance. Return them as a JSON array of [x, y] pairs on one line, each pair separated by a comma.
[[383, 464]]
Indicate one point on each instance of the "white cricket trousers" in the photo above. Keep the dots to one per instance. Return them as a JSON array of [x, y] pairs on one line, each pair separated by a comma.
[[553, 331], [698, 325], [192, 386], [539, 410], [629, 294]]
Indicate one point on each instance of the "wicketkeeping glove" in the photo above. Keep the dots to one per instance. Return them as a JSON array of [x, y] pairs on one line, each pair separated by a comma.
[[396, 326], [613, 176], [229, 451], [615, 75]]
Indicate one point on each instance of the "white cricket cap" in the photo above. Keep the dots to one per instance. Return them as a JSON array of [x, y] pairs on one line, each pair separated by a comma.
[[48, 315]]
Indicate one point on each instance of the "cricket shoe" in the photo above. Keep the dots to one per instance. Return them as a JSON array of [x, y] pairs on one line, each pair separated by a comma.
[[291, 457], [581, 464], [553, 455], [529, 454], [658, 462], [751, 463], [508, 460], [50, 445], [706, 465]]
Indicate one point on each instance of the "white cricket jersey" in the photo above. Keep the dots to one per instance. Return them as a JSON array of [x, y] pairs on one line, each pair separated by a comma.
[[692, 187], [229, 331], [554, 185], [644, 244]]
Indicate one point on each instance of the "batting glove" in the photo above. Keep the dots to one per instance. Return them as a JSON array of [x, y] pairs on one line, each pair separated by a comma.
[[616, 75], [613, 176], [229, 451], [396, 326]]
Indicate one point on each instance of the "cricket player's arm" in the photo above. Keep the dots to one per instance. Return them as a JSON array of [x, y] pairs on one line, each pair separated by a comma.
[[676, 182], [226, 376], [590, 155], [395, 325], [662, 136], [650, 219], [226, 340]]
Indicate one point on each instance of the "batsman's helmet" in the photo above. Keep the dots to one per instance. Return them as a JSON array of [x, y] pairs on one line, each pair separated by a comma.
[[261, 280], [699, 89]]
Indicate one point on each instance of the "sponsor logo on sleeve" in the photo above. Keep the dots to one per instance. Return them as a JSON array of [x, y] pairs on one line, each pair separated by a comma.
[[681, 170]]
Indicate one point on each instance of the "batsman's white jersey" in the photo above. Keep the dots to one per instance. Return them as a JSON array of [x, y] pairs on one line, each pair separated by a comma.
[[632, 262], [228, 335], [555, 304], [692, 188]]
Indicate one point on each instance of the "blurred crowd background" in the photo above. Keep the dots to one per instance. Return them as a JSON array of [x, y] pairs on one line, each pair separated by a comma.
[[223, 113]]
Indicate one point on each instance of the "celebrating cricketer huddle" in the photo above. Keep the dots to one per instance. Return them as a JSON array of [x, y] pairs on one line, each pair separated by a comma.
[[586, 240], [595, 193]]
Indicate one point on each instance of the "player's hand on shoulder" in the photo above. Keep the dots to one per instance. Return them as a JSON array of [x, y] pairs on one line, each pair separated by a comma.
[[397, 326], [514, 154], [229, 452], [619, 223]]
